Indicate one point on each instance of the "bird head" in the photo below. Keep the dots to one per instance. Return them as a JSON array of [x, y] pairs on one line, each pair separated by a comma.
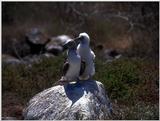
[[82, 38], [71, 44]]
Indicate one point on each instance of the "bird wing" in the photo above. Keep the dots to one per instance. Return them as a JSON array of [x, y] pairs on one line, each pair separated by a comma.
[[93, 55], [83, 66], [65, 68]]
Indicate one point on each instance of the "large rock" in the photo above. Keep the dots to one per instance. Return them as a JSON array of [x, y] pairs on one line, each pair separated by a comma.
[[54, 49], [59, 40], [27, 60], [82, 100], [36, 36], [31, 59], [36, 39], [8, 59], [55, 44]]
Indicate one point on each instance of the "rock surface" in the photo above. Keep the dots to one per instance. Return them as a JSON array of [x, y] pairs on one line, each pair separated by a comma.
[[36, 36], [55, 44], [54, 49], [9, 118], [111, 54], [81, 100], [27, 60], [31, 59], [7, 59], [59, 40]]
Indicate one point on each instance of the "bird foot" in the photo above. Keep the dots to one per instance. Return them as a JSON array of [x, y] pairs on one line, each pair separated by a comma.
[[84, 78], [60, 82]]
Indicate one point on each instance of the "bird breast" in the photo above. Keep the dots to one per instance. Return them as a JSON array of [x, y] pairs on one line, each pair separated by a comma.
[[84, 52], [74, 58]]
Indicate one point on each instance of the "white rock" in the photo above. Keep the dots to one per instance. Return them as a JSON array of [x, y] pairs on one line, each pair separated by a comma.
[[60, 40], [81, 100]]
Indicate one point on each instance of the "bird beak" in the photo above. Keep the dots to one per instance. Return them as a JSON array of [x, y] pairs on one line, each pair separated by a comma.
[[67, 45], [77, 40]]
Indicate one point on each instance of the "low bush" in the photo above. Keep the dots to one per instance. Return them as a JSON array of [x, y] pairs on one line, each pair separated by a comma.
[[127, 81], [124, 78]]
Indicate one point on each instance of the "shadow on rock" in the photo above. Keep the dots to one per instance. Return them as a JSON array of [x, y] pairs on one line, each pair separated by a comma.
[[75, 101]]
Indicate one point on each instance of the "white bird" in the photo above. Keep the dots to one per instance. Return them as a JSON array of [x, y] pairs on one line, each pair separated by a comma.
[[87, 56], [72, 66]]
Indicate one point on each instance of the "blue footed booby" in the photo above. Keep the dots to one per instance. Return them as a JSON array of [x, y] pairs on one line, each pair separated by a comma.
[[87, 56], [72, 67]]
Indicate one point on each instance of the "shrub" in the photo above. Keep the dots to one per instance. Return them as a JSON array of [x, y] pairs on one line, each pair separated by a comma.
[[123, 78], [27, 81]]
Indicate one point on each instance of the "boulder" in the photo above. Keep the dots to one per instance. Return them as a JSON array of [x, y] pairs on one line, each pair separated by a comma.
[[37, 40], [55, 44], [32, 59], [59, 40], [54, 49], [27, 60], [8, 59], [111, 54], [73, 101], [36, 36]]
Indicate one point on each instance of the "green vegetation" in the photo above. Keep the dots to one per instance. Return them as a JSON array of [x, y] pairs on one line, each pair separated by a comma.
[[27, 81], [122, 78], [125, 81]]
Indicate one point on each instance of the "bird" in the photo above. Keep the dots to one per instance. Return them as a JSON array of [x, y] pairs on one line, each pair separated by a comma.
[[87, 56], [72, 66]]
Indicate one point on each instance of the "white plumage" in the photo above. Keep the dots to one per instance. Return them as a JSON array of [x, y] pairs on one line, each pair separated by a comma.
[[87, 55], [74, 61], [71, 68]]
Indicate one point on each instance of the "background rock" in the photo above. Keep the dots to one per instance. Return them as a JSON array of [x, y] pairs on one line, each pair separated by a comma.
[[30, 59], [36, 36], [9, 118], [83, 100], [55, 44], [111, 54], [60, 40], [7, 59], [54, 49], [37, 40]]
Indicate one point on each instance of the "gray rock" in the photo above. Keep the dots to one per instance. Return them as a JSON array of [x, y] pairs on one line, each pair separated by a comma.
[[55, 44], [111, 54], [8, 59], [36, 36], [73, 101], [36, 39], [27, 60], [32, 59], [9, 118], [54, 49], [60, 40]]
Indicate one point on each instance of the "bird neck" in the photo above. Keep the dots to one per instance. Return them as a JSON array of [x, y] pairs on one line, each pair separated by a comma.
[[72, 51], [85, 42]]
